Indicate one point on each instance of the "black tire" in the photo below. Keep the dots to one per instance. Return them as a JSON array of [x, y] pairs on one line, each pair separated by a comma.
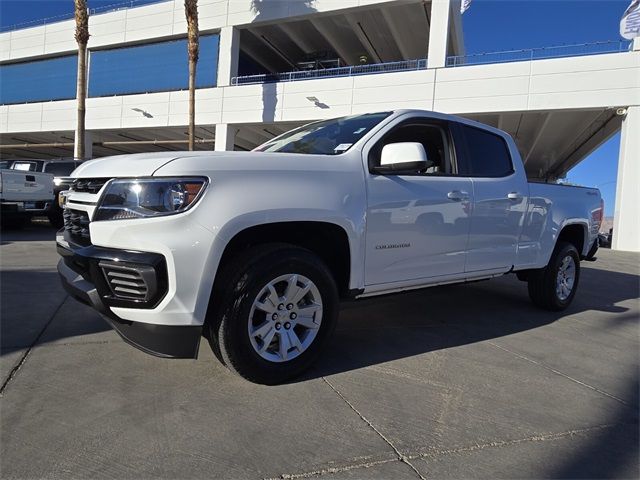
[[241, 281], [543, 282]]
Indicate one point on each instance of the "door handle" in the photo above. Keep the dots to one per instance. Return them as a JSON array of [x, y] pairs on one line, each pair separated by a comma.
[[514, 196], [457, 195]]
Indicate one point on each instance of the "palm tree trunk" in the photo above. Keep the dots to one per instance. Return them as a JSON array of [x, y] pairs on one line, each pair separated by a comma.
[[81, 93], [191, 14], [82, 38], [192, 104]]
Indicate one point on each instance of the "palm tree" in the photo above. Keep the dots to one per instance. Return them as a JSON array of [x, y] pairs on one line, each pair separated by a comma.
[[82, 37], [191, 12]]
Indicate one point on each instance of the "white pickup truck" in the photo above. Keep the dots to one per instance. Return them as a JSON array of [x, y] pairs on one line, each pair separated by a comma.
[[256, 249], [24, 194]]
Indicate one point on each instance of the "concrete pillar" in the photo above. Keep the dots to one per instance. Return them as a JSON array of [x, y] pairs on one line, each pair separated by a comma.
[[626, 222], [225, 137], [439, 33], [88, 145], [228, 56]]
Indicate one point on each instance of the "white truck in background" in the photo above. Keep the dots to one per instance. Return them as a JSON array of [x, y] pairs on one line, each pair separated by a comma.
[[255, 250], [24, 195]]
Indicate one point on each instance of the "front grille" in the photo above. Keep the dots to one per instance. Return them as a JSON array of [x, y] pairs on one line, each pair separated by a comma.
[[64, 183], [89, 185], [131, 282], [76, 223]]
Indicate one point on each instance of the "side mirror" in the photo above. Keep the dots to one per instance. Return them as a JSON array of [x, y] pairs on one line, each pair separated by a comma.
[[403, 157]]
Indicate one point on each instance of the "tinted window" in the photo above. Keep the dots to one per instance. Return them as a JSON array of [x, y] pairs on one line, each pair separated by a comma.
[[40, 80], [487, 154], [60, 169], [156, 67]]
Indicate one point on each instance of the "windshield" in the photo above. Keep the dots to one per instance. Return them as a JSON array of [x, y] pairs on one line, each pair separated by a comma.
[[329, 137], [60, 169]]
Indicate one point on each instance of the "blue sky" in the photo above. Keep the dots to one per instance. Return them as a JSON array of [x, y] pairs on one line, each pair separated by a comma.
[[489, 26], [494, 25]]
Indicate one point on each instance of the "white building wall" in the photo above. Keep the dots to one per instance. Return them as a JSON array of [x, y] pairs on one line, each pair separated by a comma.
[[158, 21], [626, 225], [600, 81]]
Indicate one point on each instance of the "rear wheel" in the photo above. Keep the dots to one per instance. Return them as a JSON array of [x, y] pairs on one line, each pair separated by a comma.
[[554, 286], [278, 309]]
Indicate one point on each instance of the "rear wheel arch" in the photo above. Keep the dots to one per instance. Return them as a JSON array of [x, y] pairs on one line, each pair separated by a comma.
[[575, 234]]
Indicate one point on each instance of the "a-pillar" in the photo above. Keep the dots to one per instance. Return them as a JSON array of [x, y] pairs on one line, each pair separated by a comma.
[[225, 137], [626, 221], [228, 56], [439, 33]]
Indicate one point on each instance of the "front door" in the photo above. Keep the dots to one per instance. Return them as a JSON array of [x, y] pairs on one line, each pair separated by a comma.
[[417, 223]]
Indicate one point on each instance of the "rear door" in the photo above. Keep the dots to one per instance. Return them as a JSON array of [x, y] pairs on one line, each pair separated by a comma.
[[499, 198]]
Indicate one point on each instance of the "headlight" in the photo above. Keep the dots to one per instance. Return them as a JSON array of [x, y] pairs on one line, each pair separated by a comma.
[[148, 197]]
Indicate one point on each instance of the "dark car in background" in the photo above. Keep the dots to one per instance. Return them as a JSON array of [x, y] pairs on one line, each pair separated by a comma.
[[60, 168]]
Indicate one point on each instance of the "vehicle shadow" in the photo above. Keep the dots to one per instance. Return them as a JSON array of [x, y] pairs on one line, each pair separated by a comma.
[[383, 329], [34, 309], [369, 332], [39, 229]]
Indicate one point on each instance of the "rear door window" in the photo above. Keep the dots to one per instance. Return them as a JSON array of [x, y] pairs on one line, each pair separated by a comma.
[[486, 153], [25, 166]]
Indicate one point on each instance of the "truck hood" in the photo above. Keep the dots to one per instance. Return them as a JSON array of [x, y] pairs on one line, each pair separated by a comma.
[[204, 163], [134, 165]]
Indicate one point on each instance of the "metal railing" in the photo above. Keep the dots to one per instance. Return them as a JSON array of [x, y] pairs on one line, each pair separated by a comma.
[[68, 16], [529, 54], [370, 69]]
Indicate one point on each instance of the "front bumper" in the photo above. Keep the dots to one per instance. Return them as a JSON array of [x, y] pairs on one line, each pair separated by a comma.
[[105, 278]]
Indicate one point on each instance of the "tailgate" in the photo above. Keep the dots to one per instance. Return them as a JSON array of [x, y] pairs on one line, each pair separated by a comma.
[[22, 186]]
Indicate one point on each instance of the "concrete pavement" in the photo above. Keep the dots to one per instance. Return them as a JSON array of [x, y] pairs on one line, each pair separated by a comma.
[[455, 382]]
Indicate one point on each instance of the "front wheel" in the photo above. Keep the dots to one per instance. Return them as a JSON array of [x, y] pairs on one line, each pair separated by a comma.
[[554, 286], [278, 309]]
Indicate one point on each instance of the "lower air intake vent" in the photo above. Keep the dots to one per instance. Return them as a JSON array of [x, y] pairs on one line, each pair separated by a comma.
[[130, 281]]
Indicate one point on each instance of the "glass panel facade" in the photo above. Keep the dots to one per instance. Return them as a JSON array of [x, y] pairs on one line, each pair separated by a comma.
[[39, 80], [155, 67]]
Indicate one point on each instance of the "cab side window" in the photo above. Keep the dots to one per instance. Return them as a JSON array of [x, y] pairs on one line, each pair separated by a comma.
[[432, 137], [486, 154]]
